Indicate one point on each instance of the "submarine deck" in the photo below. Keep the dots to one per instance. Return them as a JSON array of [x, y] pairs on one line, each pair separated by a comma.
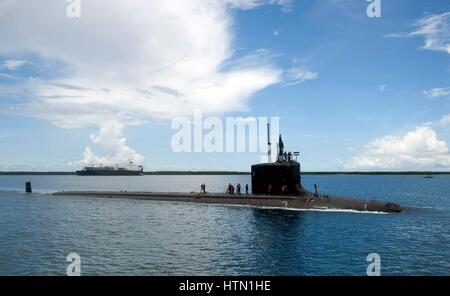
[[303, 200]]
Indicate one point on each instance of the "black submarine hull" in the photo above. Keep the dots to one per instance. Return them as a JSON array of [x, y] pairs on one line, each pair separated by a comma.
[[303, 201]]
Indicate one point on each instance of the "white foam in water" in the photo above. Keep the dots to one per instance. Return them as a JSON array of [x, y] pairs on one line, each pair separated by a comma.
[[320, 210], [294, 209]]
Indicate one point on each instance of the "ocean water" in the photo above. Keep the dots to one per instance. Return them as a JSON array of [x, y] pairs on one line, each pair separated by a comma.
[[132, 237]]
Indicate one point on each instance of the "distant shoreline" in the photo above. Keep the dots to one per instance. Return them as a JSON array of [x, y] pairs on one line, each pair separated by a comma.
[[222, 173]]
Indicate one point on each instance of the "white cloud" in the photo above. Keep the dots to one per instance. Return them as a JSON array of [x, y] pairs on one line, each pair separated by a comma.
[[416, 150], [397, 35], [134, 61], [437, 92], [8, 76], [276, 33], [435, 29], [12, 64], [443, 122], [297, 75], [383, 87], [183, 48], [111, 139], [286, 5]]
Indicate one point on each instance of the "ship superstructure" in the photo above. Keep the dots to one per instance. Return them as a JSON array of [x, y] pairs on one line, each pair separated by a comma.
[[111, 171]]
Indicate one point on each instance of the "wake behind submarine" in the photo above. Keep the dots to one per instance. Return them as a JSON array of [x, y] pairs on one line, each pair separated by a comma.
[[274, 185]]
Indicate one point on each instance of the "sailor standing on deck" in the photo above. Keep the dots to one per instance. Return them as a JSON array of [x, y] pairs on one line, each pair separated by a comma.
[[246, 188], [231, 189], [316, 192]]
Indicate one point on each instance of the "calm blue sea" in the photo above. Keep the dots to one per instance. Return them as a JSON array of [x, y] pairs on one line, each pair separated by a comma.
[[131, 237]]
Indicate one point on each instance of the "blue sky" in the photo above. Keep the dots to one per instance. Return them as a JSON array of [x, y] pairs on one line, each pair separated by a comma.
[[352, 92]]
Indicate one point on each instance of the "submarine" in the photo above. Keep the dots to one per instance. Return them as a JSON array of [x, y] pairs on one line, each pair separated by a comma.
[[275, 185]]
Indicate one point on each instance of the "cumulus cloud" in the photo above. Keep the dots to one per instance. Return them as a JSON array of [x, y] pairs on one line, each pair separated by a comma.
[[416, 150], [134, 61], [110, 138], [437, 92]]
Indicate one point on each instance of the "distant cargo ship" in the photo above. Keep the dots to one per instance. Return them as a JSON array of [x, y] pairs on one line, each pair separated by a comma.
[[110, 171]]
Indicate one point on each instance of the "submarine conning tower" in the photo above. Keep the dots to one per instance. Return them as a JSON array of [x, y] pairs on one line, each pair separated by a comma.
[[284, 172]]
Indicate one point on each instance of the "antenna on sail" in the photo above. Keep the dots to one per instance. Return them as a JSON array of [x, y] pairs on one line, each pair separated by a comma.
[[269, 145]]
